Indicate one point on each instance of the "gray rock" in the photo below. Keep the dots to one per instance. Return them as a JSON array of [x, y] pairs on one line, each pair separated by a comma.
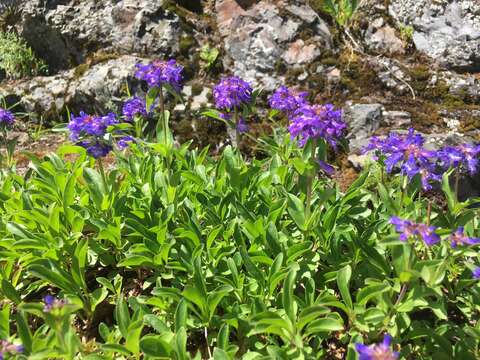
[[384, 40], [258, 38], [362, 120], [447, 31], [64, 35], [93, 91], [397, 119]]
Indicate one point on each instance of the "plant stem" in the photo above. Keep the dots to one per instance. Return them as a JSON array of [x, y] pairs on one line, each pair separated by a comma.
[[310, 177], [206, 343], [457, 180], [237, 132], [162, 113], [102, 172]]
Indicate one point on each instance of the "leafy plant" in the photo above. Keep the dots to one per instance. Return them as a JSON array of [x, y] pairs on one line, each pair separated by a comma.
[[209, 55], [17, 58], [341, 10]]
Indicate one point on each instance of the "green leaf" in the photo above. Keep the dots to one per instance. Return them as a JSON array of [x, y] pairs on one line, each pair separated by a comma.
[[324, 325], [10, 292], [287, 296], [181, 315], [156, 346], [296, 210], [343, 280]]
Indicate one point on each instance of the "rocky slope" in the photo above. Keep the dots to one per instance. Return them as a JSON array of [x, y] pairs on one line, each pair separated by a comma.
[[402, 62]]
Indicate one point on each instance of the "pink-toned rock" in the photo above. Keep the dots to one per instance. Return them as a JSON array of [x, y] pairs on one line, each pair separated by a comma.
[[227, 11], [384, 39], [299, 53]]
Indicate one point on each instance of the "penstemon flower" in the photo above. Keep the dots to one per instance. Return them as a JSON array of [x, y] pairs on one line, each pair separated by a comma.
[[7, 347], [6, 118], [407, 153], [132, 107], [408, 229], [125, 141], [380, 351], [317, 121], [476, 273], [459, 238], [89, 132], [51, 303], [287, 100], [158, 73], [464, 156], [232, 93]]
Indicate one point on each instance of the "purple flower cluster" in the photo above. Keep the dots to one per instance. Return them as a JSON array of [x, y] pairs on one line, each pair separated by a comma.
[[407, 153], [476, 273], [317, 121], [464, 156], [133, 107], [380, 351], [6, 118], [408, 229], [158, 73], [241, 125], [125, 141], [51, 303], [89, 125], [232, 93], [459, 238], [89, 131], [7, 347], [287, 100]]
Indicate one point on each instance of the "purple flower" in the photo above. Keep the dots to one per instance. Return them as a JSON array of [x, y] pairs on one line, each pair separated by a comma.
[[6, 118], [88, 125], [380, 351], [408, 229], [317, 121], [459, 238], [232, 92], [327, 168], [407, 153], [96, 148], [158, 73], [51, 302], [464, 156], [125, 141], [132, 107], [242, 126], [7, 347], [476, 273], [287, 100]]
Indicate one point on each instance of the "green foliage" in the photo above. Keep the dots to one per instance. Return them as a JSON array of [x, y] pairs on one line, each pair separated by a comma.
[[406, 32], [341, 10], [17, 58], [175, 254], [209, 56]]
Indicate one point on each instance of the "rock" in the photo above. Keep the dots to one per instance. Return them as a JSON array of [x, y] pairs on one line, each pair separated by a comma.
[[258, 38], [447, 31], [359, 161], [384, 40], [299, 53], [362, 120], [397, 119], [201, 100], [390, 74], [92, 91], [65, 34]]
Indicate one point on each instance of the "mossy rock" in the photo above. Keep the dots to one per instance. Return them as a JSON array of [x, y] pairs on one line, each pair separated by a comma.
[[80, 70]]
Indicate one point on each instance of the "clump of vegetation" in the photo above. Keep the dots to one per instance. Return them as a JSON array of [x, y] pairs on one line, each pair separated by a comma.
[[175, 254], [341, 10], [17, 59]]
